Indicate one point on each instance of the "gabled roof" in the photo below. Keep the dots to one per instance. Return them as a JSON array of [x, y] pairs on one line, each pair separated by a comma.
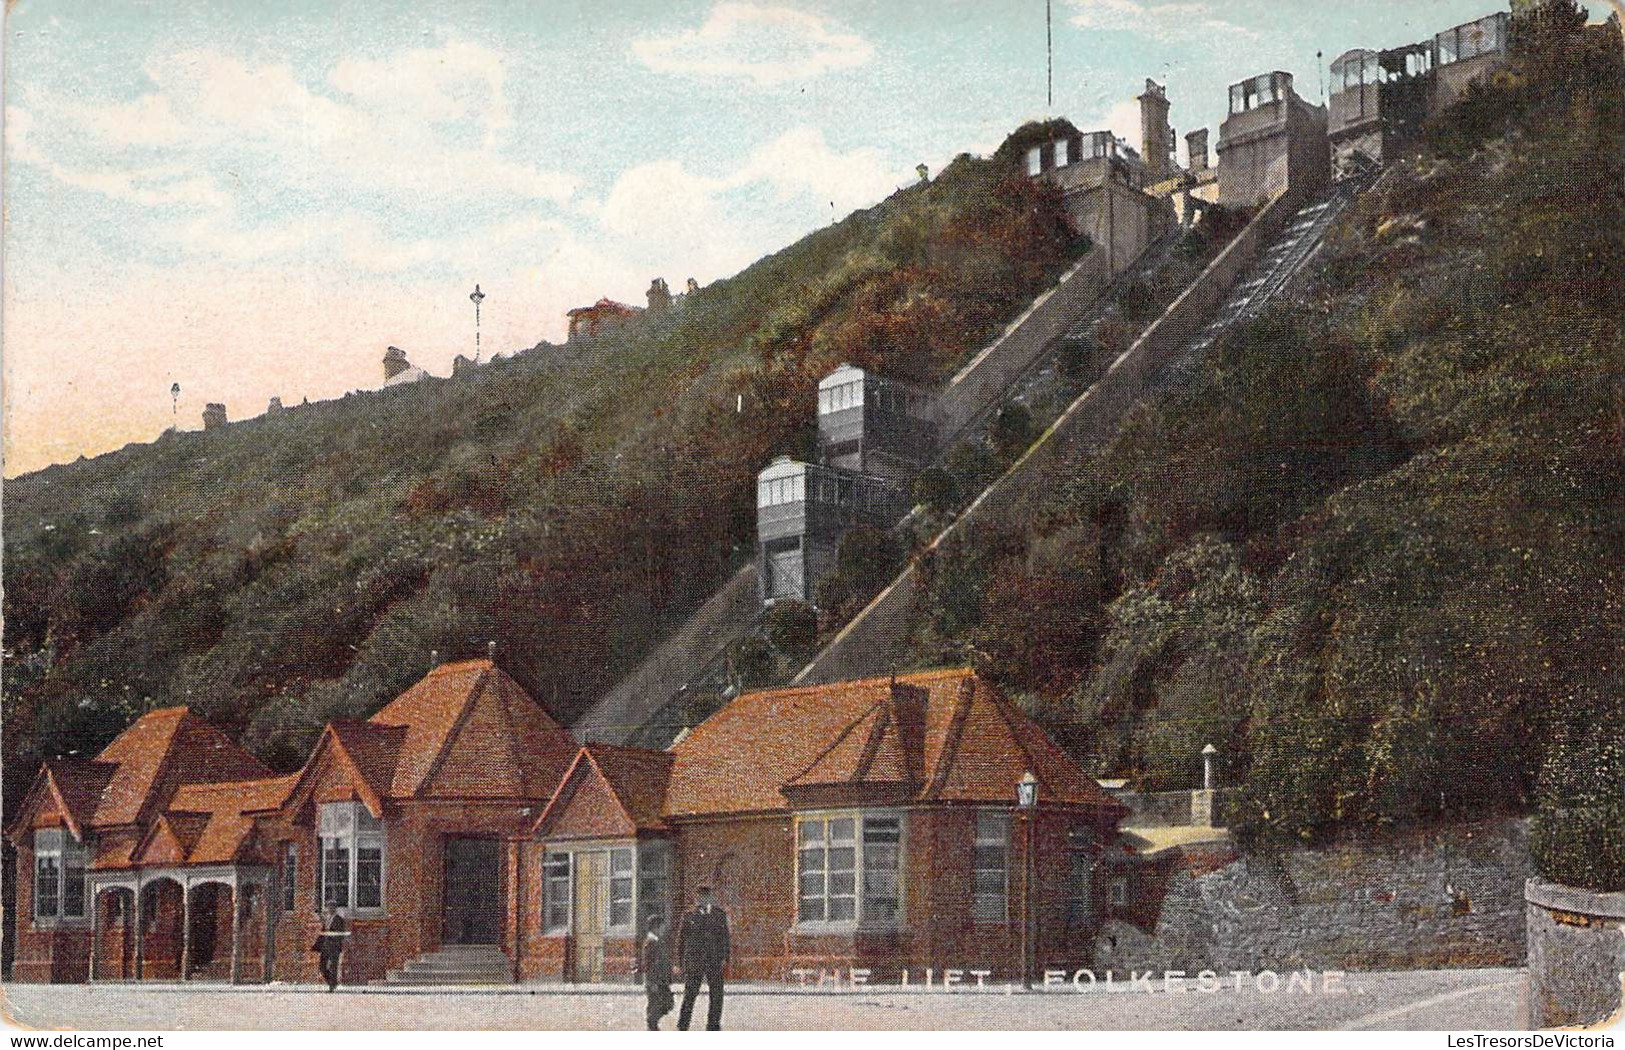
[[469, 730], [131, 778], [71, 786], [938, 736], [163, 747], [609, 791], [207, 823]]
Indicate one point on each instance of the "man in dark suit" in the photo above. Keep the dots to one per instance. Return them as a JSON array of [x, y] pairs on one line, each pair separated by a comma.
[[656, 965], [330, 945], [705, 955]]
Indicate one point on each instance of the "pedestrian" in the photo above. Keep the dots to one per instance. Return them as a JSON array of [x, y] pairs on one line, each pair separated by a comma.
[[329, 945], [656, 964], [705, 956]]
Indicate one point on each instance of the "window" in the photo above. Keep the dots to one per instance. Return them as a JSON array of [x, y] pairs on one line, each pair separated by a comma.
[[828, 859], [882, 848], [1449, 49], [654, 880], [780, 491], [990, 877], [59, 875], [1080, 905], [352, 857], [837, 856], [556, 893], [1120, 891], [1063, 152], [620, 887], [289, 874], [1035, 161]]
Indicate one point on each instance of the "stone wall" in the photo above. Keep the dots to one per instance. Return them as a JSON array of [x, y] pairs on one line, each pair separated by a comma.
[[1441, 898], [1576, 954]]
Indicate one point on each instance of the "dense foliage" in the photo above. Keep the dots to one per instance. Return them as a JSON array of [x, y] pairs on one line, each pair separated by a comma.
[[570, 505], [1377, 554]]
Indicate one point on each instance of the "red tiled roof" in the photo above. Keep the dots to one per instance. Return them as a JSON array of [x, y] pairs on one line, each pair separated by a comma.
[[942, 735], [516, 750], [167, 746], [605, 305], [609, 791], [213, 822], [70, 785]]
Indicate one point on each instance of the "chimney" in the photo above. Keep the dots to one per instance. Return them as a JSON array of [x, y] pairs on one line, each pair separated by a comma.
[[490, 650], [1196, 144], [395, 363], [1155, 134], [214, 415], [434, 658]]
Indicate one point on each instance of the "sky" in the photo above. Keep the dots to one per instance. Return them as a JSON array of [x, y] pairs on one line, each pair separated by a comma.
[[255, 200]]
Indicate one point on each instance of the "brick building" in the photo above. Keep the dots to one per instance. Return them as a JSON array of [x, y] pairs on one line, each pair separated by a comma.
[[863, 824], [588, 323]]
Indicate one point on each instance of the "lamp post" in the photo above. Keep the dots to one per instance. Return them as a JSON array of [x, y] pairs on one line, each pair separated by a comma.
[[1027, 802], [477, 297]]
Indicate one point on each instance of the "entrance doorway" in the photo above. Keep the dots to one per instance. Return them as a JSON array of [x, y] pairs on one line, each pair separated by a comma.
[[473, 891], [591, 914]]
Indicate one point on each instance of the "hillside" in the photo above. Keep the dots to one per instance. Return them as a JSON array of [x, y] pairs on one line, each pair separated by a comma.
[[1376, 552], [285, 571]]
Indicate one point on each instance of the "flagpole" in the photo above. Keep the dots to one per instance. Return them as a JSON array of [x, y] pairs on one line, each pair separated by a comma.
[[1049, 58]]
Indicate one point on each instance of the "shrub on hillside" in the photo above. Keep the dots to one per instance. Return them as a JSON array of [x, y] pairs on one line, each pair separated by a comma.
[[1578, 834]]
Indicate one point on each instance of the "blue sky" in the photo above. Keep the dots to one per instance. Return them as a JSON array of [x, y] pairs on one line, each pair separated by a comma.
[[255, 199]]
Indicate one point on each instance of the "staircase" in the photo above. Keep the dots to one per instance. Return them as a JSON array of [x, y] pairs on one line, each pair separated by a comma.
[[456, 964]]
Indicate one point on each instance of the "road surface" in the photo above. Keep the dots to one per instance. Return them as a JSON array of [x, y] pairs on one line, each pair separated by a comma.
[[1424, 999]]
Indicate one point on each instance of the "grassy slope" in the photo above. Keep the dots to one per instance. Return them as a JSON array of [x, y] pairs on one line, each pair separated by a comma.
[[285, 571], [1376, 555]]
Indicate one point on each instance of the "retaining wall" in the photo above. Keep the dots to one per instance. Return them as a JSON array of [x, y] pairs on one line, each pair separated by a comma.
[[1451, 897], [1576, 954]]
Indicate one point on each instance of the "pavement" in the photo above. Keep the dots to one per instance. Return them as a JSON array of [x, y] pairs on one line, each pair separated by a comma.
[[1454, 1000]]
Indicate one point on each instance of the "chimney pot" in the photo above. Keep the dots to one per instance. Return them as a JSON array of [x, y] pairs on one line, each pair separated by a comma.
[[434, 657], [491, 650]]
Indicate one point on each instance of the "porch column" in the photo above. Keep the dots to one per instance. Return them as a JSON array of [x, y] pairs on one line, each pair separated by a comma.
[[186, 930], [140, 946], [95, 926], [273, 891], [237, 914]]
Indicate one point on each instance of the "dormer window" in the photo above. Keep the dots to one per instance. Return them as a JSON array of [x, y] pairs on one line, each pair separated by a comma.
[[59, 875], [351, 868]]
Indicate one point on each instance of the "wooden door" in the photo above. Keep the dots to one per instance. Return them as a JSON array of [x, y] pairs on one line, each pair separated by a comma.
[[591, 914]]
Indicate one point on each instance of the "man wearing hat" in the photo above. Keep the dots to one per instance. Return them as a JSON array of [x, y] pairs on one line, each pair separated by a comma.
[[704, 955]]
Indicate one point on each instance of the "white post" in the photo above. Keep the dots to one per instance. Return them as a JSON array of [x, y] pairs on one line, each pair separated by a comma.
[[238, 912], [140, 948], [186, 930], [1207, 766], [95, 926]]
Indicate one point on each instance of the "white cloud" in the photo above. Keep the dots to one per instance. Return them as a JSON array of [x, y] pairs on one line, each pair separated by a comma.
[[662, 200], [1166, 21], [765, 45], [419, 124], [149, 185]]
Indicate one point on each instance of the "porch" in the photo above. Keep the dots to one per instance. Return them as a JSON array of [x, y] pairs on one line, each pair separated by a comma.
[[215, 922]]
